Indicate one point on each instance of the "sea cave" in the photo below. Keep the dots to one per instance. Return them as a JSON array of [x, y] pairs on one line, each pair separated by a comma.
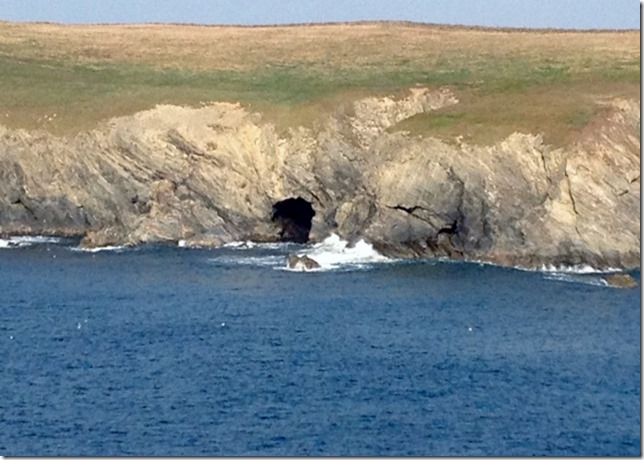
[[294, 217]]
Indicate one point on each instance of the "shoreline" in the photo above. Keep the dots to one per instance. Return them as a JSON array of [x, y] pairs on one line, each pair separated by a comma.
[[18, 241], [210, 176]]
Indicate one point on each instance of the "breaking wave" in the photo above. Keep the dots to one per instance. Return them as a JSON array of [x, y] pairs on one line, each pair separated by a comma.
[[30, 240], [254, 245], [591, 278], [252, 260], [334, 253], [583, 274], [103, 248], [576, 269]]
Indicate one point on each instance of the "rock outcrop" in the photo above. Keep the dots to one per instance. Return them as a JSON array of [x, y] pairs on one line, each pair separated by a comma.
[[213, 174], [622, 280], [304, 263]]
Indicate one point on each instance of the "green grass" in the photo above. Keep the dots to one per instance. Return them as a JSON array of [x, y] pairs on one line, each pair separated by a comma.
[[519, 95], [499, 94]]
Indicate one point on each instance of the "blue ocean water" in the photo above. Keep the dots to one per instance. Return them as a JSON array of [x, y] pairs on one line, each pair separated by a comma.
[[172, 351]]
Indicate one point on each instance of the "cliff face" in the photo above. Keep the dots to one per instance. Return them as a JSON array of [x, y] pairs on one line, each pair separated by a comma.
[[212, 175]]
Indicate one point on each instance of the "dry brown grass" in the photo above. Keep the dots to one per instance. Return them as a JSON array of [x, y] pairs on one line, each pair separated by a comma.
[[326, 45], [86, 73]]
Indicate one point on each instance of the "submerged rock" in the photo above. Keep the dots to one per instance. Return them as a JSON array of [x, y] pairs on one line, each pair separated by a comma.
[[296, 262], [623, 280]]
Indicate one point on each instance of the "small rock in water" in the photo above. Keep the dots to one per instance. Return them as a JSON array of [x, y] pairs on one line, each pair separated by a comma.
[[621, 280], [301, 262]]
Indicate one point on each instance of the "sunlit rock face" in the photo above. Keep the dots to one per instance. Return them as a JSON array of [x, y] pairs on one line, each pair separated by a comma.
[[220, 173]]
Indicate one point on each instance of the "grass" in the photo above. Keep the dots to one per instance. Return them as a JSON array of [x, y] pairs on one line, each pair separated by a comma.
[[506, 80], [559, 111]]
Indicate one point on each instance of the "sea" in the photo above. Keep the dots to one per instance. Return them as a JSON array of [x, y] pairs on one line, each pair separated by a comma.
[[166, 350]]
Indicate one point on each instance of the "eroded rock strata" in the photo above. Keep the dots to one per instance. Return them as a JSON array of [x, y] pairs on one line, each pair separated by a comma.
[[213, 174]]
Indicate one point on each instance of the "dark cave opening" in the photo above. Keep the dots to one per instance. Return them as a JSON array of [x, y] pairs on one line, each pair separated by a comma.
[[294, 216]]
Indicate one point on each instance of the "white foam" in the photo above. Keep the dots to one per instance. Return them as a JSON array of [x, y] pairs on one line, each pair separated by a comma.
[[101, 248], [237, 244], [582, 269], [256, 261], [334, 253], [252, 245], [576, 278], [28, 240], [576, 269], [568, 273]]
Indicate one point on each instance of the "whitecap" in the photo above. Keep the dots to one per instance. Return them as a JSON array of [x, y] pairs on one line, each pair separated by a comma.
[[256, 261], [582, 269], [576, 278], [101, 248], [577, 269], [253, 245], [237, 245], [28, 240], [334, 253], [583, 273]]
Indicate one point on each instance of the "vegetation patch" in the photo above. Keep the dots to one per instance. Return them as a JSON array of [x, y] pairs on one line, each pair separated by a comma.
[[559, 112], [70, 78]]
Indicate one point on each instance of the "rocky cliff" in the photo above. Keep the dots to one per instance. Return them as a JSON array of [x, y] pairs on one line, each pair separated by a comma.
[[214, 174]]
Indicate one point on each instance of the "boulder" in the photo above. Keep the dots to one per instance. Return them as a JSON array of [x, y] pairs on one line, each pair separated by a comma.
[[301, 262], [623, 280]]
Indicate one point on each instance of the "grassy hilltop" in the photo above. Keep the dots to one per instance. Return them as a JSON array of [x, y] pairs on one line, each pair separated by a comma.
[[67, 78]]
